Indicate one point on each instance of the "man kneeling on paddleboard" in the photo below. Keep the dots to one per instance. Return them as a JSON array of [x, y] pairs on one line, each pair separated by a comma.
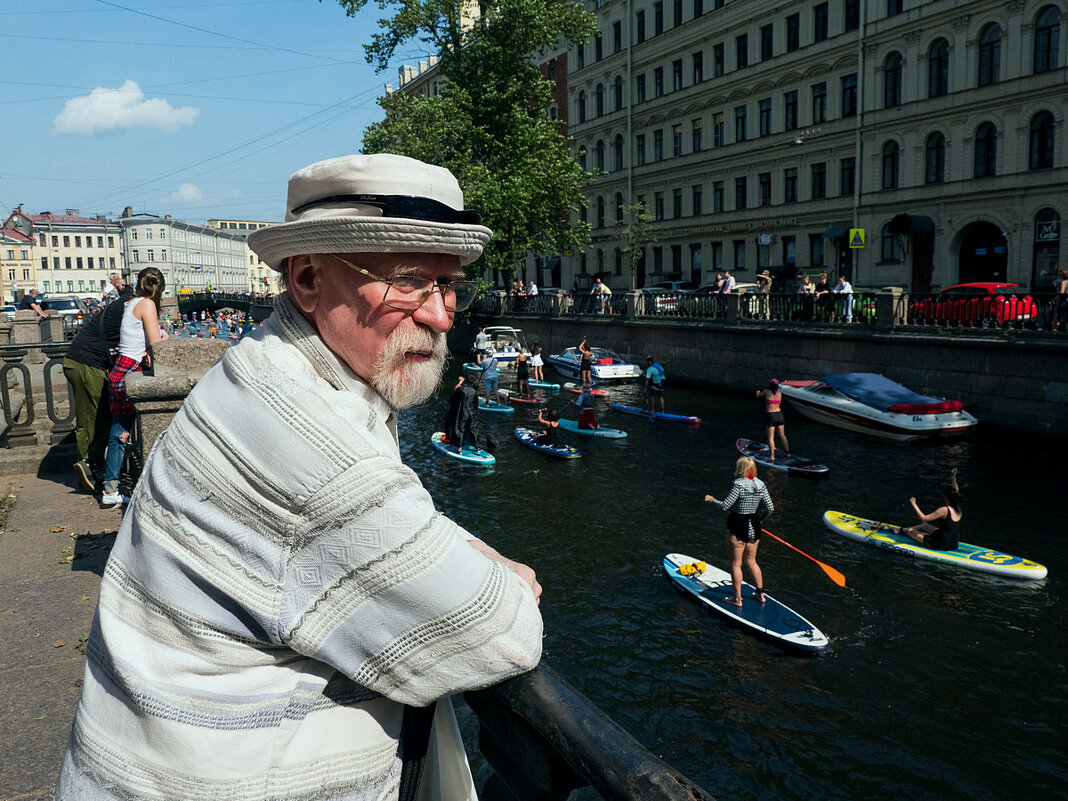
[[748, 504], [939, 530]]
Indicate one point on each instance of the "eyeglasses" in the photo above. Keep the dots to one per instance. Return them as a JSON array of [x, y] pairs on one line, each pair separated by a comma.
[[409, 292]]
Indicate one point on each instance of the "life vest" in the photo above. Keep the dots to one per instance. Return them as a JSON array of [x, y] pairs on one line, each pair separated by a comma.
[[692, 569]]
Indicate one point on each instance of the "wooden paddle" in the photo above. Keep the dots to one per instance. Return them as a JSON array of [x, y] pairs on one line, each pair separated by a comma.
[[833, 574]]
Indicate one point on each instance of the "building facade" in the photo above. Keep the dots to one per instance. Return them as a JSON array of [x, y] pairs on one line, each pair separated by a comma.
[[193, 258], [16, 264], [762, 134], [262, 280], [73, 255]]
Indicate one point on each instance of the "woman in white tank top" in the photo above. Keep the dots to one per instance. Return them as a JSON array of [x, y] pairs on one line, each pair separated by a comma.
[[139, 329]]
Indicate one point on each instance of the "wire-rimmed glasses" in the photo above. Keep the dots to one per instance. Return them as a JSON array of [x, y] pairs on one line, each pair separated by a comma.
[[409, 292]]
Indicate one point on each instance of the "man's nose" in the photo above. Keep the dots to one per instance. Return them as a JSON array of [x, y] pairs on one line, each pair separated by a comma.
[[433, 313]]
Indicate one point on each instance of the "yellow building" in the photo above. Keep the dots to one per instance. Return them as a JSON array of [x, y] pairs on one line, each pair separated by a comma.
[[16, 263], [261, 278]]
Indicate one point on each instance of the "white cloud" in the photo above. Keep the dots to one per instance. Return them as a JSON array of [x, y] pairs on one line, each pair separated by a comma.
[[187, 192], [115, 109]]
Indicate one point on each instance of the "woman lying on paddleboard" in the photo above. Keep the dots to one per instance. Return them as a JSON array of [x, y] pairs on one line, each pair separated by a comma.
[[939, 530], [747, 504]]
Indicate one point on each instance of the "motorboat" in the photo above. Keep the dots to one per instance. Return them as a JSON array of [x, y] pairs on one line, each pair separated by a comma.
[[505, 343], [607, 365], [873, 404]]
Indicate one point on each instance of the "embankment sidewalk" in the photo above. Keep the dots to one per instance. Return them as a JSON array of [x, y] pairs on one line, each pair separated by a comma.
[[48, 592]]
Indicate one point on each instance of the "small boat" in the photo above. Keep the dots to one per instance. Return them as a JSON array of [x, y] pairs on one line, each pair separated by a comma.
[[973, 557], [607, 365], [772, 619], [666, 416], [527, 437], [576, 389], [873, 404], [759, 453], [505, 343], [469, 455], [542, 384], [493, 406], [603, 431]]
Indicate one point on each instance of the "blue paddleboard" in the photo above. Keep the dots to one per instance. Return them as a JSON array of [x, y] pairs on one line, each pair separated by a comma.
[[492, 406], [666, 416], [462, 454], [607, 433], [759, 453], [526, 436], [542, 384], [770, 619]]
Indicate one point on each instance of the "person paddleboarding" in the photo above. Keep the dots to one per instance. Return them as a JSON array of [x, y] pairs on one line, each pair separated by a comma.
[[940, 529], [773, 419], [748, 503]]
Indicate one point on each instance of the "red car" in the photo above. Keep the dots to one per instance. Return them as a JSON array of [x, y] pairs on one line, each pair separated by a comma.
[[978, 304]]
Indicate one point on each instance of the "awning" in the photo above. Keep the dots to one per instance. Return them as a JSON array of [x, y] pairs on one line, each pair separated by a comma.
[[835, 232], [911, 224]]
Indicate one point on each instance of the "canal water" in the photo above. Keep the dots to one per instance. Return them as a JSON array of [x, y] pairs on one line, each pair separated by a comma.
[[940, 682]]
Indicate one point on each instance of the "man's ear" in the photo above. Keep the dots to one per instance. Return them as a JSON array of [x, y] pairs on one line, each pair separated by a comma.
[[304, 283]]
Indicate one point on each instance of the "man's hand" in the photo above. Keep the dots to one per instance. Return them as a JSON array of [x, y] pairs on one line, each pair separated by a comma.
[[521, 570]]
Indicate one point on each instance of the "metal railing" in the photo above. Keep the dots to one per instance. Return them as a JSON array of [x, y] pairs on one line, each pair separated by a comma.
[[1002, 311]]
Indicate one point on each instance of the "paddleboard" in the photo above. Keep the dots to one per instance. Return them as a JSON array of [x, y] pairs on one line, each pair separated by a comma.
[[514, 398], [471, 367], [526, 436], [771, 619], [493, 406], [607, 433], [666, 416], [542, 384], [463, 454], [759, 452], [973, 557], [576, 389]]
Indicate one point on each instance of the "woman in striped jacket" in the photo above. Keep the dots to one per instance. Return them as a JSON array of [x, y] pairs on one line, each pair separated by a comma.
[[748, 503]]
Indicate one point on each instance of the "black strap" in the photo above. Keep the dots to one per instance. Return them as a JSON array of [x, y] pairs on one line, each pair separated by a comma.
[[414, 739]]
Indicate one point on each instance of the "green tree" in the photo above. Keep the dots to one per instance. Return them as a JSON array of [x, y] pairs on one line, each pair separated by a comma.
[[489, 123], [637, 235]]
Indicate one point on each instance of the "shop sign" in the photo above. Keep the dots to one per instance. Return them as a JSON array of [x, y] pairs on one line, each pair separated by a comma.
[[1048, 231]]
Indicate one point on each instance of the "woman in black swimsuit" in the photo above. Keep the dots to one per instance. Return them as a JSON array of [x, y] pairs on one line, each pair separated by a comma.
[[585, 364], [940, 529], [522, 374]]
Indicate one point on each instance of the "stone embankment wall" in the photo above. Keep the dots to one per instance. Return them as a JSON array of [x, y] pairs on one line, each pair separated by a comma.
[[1013, 383]]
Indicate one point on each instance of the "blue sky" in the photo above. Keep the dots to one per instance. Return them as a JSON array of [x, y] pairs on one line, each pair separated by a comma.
[[192, 108]]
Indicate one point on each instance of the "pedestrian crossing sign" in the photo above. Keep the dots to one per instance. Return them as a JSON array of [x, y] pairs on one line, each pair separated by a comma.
[[856, 237]]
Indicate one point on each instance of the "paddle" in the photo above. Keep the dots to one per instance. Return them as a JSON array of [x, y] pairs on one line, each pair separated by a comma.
[[833, 574]]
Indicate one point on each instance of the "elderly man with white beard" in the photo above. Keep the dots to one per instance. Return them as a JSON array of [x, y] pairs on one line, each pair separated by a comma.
[[284, 614]]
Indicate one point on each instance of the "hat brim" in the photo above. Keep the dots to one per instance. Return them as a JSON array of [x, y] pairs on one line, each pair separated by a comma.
[[361, 234]]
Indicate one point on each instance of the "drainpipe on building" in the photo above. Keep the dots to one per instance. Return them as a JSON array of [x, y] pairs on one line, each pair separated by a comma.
[[630, 133], [858, 169]]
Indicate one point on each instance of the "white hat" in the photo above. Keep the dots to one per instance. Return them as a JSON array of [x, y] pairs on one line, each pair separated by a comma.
[[373, 204]]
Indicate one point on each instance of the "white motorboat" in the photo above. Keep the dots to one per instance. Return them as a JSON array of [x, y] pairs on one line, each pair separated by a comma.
[[873, 404], [505, 343], [607, 365]]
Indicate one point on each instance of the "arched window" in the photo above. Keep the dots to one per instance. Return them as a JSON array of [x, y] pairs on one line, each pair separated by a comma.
[[892, 81], [600, 155], [938, 69], [600, 99], [582, 107], [617, 93], [617, 153], [986, 150], [891, 160], [989, 54], [582, 159], [619, 261], [934, 171], [600, 211], [1041, 152], [891, 250], [619, 207], [1047, 39]]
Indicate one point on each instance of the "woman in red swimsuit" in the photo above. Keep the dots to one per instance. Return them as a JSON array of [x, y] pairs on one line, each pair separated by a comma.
[[773, 418]]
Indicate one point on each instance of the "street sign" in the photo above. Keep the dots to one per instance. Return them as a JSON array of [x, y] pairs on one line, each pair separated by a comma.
[[856, 237]]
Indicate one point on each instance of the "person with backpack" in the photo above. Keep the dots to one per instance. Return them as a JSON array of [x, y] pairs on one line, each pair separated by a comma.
[[654, 383]]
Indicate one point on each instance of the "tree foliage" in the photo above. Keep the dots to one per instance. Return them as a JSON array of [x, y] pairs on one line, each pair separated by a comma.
[[489, 123], [637, 235]]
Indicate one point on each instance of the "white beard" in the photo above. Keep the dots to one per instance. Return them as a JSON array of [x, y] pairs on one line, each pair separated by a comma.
[[402, 383]]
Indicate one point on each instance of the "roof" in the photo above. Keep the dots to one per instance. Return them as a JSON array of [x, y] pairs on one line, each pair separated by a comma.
[[16, 235], [48, 219], [875, 390]]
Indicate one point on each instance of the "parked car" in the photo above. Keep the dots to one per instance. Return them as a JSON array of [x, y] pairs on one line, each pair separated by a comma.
[[976, 304], [9, 310], [664, 295], [71, 308]]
